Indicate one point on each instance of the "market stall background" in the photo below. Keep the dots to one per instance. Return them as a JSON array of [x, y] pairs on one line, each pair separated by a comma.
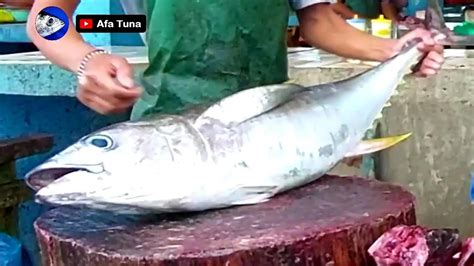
[[32, 91]]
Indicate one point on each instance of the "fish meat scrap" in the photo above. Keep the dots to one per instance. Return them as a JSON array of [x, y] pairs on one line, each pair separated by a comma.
[[417, 246], [241, 150]]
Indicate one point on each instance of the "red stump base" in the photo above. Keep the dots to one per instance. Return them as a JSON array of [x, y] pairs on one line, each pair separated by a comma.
[[332, 221]]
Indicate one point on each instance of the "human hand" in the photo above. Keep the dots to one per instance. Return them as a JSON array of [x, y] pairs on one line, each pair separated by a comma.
[[107, 84], [434, 59]]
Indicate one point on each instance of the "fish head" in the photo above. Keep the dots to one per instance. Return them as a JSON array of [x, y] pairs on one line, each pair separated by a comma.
[[106, 160]]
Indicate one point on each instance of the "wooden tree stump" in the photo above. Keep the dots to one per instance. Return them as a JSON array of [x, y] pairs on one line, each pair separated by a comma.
[[332, 221]]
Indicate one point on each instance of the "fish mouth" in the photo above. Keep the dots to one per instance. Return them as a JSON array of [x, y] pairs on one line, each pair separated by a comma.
[[49, 172]]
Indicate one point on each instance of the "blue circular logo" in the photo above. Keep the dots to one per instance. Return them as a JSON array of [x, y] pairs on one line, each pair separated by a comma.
[[52, 23]]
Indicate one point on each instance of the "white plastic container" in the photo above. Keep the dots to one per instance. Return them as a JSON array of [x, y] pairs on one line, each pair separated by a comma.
[[381, 27], [358, 23]]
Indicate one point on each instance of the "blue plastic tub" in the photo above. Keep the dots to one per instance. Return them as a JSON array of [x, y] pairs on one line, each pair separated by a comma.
[[10, 251]]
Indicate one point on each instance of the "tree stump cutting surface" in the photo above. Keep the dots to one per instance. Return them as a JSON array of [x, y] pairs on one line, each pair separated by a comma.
[[332, 221]]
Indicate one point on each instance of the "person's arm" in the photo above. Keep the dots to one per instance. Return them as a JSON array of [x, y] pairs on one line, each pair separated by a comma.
[[106, 84], [389, 10], [341, 9], [323, 28], [66, 52]]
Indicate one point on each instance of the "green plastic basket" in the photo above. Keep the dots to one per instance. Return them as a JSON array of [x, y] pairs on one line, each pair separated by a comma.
[[467, 28]]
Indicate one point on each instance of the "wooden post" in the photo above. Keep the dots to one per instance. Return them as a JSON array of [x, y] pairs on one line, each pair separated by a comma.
[[12, 190]]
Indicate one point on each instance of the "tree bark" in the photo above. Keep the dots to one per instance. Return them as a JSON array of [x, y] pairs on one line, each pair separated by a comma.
[[332, 221]]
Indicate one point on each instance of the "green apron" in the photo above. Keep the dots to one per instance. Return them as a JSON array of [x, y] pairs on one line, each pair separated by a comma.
[[365, 8], [203, 50]]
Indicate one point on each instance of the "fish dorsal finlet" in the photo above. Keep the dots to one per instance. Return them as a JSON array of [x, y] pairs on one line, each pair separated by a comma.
[[249, 103]]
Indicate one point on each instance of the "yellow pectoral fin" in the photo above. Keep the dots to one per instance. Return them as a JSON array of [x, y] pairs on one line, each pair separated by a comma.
[[375, 145]]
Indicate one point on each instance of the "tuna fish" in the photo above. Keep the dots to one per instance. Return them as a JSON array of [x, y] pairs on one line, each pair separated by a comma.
[[242, 150]]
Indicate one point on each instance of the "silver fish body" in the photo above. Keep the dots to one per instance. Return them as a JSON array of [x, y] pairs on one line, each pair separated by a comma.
[[242, 150]]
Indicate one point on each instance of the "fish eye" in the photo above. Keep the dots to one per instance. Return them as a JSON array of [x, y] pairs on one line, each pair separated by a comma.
[[50, 21], [99, 141]]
